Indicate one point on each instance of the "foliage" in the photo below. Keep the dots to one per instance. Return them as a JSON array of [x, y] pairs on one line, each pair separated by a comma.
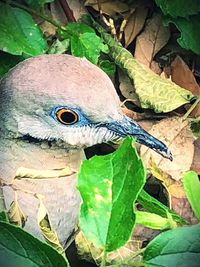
[[186, 17], [18, 32], [103, 210], [192, 189], [19, 248], [83, 41], [179, 8], [177, 247], [111, 186]]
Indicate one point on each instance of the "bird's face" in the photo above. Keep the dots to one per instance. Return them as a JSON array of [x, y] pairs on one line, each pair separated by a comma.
[[67, 99]]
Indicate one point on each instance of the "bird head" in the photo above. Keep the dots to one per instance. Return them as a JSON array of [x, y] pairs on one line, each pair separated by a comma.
[[67, 99]]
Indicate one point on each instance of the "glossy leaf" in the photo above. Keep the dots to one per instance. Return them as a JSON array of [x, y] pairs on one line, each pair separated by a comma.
[[177, 247], [18, 32], [109, 186], [19, 248], [151, 204], [191, 185]]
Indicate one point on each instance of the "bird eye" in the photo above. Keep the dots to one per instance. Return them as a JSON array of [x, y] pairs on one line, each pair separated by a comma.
[[66, 116]]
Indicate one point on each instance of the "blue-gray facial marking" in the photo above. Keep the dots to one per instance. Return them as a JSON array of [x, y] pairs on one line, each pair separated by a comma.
[[82, 119]]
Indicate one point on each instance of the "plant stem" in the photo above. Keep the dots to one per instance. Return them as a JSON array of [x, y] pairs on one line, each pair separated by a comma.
[[30, 10], [103, 262], [191, 108]]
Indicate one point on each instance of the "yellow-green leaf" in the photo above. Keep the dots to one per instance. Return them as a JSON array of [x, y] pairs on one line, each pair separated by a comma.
[[153, 92], [15, 214], [42, 174], [154, 221]]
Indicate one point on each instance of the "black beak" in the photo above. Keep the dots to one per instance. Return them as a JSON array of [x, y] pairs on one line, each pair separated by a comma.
[[129, 127]]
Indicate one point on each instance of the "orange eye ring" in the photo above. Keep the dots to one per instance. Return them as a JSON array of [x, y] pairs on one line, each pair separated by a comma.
[[66, 116]]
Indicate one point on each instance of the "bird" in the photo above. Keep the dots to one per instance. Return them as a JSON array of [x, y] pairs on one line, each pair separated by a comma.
[[52, 107]]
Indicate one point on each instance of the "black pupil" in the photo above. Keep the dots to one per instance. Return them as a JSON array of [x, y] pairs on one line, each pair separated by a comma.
[[68, 117]]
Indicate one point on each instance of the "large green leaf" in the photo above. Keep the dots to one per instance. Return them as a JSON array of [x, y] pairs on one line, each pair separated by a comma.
[[177, 247], [189, 29], [109, 186], [19, 33], [161, 95], [179, 8], [191, 185], [20, 249]]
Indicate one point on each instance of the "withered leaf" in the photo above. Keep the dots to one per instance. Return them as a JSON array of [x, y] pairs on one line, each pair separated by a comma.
[[42, 174], [109, 7], [151, 40], [15, 214], [134, 25], [184, 77], [48, 233], [176, 134]]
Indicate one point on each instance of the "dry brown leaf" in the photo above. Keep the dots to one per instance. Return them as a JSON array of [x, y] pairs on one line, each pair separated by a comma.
[[109, 7], [57, 13], [151, 40], [48, 29], [183, 76], [176, 193], [77, 7], [174, 188], [134, 25], [176, 134]]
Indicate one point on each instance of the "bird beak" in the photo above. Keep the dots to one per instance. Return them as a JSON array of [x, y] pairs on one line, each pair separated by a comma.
[[128, 127]]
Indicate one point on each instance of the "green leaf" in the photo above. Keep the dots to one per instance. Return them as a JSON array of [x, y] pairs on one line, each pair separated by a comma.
[[195, 127], [151, 204], [179, 8], [19, 248], [108, 66], [173, 248], [191, 185], [18, 32], [189, 29], [153, 221], [7, 61], [109, 186], [84, 41]]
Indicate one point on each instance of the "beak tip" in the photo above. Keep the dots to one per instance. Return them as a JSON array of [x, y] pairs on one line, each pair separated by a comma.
[[169, 155]]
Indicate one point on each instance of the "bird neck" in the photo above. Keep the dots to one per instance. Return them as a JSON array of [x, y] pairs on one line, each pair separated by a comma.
[[16, 152]]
